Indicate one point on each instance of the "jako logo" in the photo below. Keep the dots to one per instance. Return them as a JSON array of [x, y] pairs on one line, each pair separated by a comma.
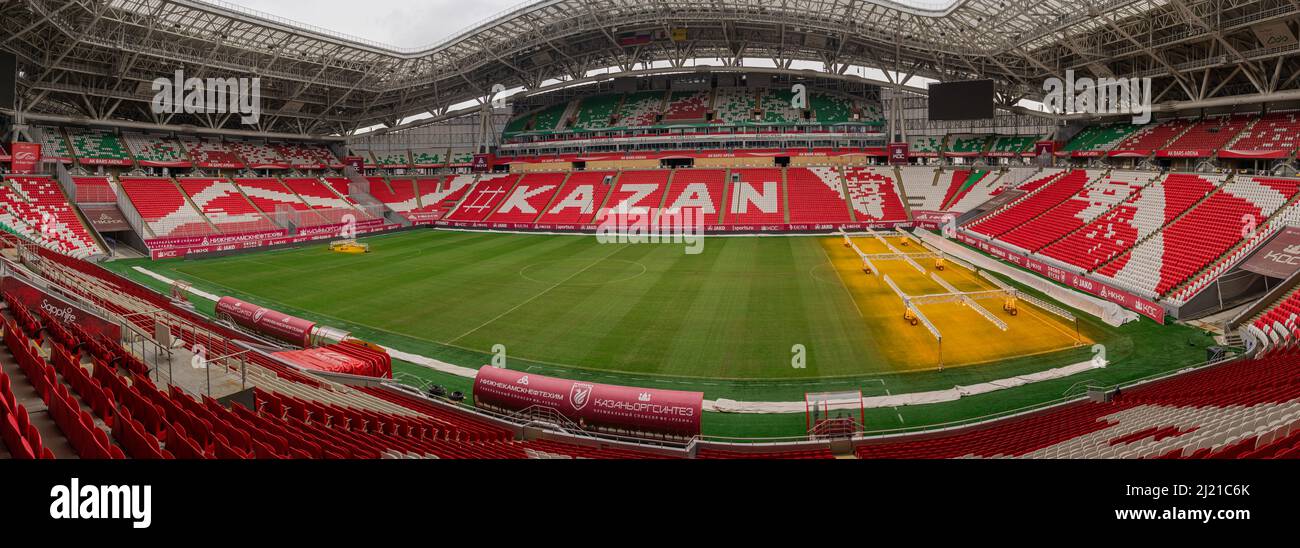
[[1100, 96], [76, 501], [241, 96]]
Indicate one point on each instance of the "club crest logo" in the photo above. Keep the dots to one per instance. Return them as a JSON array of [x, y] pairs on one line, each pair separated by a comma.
[[579, 395]]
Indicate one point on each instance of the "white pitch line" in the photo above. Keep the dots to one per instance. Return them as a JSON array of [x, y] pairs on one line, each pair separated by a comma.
[[896, 412], [170, 281]]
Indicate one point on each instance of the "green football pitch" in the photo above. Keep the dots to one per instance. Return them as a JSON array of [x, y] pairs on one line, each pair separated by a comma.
[[725, 321]]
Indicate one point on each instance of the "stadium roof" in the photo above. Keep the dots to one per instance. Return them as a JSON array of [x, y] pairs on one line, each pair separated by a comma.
[[95, 58]]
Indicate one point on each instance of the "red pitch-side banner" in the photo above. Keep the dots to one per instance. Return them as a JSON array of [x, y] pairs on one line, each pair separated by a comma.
[[898, 152], [62, 311], [169, 164], [714, 229], [212, 240], [26, 156], [1255, 154], [272, 165], [277, 325], [331, 231], [105, 161], [348, 358], [1190, 153], [1088, 285], [647, 410], [676, 155]]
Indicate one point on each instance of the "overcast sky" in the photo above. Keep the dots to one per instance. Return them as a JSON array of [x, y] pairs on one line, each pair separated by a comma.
[[402, 23]]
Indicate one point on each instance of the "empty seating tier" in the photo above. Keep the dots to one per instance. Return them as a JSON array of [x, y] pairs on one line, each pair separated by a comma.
[[1150, 138], [701, 189], [817, 196], [873, 195], [637, 193], [98, 146], [1025, 209], [639, 109], [577, 201], [211, 152], [1135, 219], [152, 150], [529, 198], [756, 197], [488, 193], [94, 190], [36, 208], [1099, 196], [224, 206], [1194, 241], [164, 208], [687, 106]]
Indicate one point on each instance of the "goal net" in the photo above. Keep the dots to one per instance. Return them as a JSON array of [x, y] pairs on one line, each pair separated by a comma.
[[834, 414]]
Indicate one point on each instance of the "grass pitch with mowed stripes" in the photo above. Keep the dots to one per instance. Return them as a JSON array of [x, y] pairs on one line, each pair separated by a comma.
[[735, 311]]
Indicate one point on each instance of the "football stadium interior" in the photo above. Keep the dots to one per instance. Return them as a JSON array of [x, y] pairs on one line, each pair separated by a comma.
[[653, 229]]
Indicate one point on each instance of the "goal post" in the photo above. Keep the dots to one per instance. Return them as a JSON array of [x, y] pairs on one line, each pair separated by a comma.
[[834, 414]]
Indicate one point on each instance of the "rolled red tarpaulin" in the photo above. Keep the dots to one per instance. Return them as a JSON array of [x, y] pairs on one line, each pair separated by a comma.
[[277, 325], [648, 410], [347, 358]]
